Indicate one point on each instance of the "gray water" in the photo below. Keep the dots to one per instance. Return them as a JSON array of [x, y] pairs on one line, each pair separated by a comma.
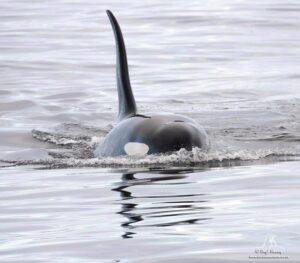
[[231, 65]]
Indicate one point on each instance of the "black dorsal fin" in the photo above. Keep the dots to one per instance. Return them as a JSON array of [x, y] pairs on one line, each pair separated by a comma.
[[127, 107]]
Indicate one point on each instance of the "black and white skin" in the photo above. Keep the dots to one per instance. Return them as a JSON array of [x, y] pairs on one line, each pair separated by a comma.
[[137, 134]]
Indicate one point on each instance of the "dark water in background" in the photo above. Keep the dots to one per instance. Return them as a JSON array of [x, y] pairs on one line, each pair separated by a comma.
[[231, 65]]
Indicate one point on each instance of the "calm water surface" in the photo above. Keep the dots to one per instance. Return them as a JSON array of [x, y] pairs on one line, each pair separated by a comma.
[[231, 65], [180, 215]]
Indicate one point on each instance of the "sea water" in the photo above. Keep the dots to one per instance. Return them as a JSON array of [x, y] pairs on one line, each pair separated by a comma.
[[231, 65]]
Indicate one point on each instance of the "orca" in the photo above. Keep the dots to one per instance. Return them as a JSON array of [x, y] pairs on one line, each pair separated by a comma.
[[138, 134]]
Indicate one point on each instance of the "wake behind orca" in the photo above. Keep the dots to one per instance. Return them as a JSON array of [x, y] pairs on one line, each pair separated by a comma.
[[137, 134]]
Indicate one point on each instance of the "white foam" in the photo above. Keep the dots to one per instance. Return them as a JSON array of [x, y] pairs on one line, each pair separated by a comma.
[[196, 157]]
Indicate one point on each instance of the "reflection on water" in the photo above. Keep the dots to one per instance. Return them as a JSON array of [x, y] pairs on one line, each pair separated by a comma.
[[131, 215], [170, 213]]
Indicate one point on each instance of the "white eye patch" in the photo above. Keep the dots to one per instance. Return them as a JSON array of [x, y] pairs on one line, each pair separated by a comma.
[[136, 148]]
